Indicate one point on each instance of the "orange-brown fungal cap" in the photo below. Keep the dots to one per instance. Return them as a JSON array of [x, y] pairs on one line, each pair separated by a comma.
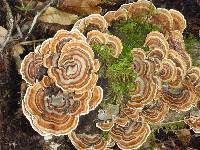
[[64, 36], [141, 8], [105, 125], [110, 17], [47, 108], [177, 80], [115, 44], [156, 53], [179, 22], [97, 96], [131, 136], [168, 70], [132, 114], [146, 91], [163, 19], [86, 141], [44, 48], [178, 60], [180, 99], [138, 64], [119, 15], [156, 39], [92, 22], [176, 42], [32, 68], [155, 113], [75, 71], [96, 37], [194, 123]]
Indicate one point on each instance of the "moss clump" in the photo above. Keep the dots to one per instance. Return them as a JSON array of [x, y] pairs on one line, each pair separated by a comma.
[[193, 48], [118, 72]]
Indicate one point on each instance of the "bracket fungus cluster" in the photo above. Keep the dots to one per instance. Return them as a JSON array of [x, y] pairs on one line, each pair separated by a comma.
[[67, 79]]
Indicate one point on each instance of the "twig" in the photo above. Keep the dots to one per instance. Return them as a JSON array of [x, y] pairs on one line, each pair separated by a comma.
[[36, 17], [10, 23], [30, 42]]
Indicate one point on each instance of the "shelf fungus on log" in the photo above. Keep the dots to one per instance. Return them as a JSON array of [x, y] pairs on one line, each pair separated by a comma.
[[96, 37], [76, 70], [155, 113], [86, 141], [131, 136], [91, 22], [194, 123]]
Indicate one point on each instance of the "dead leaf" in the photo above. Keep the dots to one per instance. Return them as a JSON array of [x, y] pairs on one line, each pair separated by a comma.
[[53, 15], [81, 7], [3, 33]]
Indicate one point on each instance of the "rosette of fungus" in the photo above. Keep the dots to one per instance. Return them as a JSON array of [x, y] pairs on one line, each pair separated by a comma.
[[49, 110], [131, 136], [194, 123], [85, 141], [76, 68]]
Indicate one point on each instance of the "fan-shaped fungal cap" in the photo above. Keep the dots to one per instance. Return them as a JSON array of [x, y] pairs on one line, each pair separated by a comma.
[[163, 19], [141, 8], [97, 96], [180, 99], [64, 36], [178, 60], [156, 39], [105, 125], [32, 68], [115, 44], [131, 136], [155, 113], [86, 141], [146, 91], [96, 37], [113, 16], [194, 123], [168, 70], [51, 111], [176, 42], [92, 22], [76, 67], [179, 22], [176, 82]]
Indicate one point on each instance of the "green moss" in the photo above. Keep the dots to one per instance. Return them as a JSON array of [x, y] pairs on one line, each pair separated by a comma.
[[193, 47], [105, 135], [118, 71]]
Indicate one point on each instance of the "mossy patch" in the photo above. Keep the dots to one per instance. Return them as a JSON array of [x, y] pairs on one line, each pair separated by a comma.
[[193, 48], [118, 72]]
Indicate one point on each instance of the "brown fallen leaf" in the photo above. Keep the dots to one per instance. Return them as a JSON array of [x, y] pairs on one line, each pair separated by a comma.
[[3, 33], [81, 7], [53, 15]]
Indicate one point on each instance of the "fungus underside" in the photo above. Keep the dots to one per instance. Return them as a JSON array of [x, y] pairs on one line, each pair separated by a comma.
[[118, 71]]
